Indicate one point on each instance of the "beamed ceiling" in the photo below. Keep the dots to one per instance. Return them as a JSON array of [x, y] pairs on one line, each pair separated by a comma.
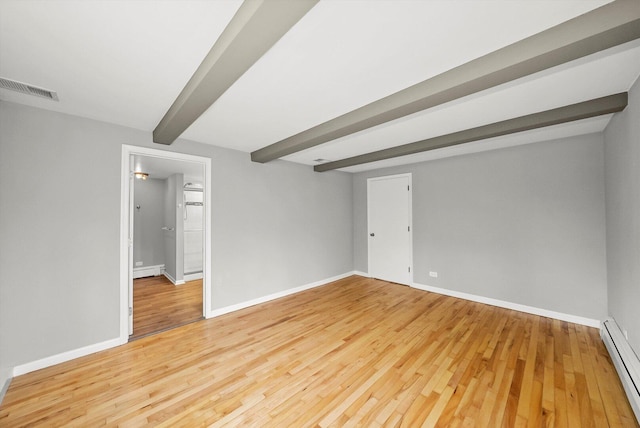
[[360, 84]]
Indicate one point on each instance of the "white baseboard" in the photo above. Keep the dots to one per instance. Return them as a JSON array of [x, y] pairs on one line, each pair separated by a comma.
[[81, 352], [5, 388], [192, 276], [65, 356], [509, 305], [141, 272], [264, 299], [172, 279], [625, 360], [365, 274]]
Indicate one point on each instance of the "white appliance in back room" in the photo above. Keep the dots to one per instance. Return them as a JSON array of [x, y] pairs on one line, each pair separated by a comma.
[[193, 230]]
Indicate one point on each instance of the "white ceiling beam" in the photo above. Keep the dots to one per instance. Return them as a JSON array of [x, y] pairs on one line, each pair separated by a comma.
[[254, 29], [608, 26], [570, 113]]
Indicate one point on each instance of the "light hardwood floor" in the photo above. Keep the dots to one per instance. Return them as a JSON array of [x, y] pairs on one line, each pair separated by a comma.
[[159, 305], [354, 352]]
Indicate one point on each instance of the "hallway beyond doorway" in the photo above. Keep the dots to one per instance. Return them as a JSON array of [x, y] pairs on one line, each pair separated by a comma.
[[159, 305]]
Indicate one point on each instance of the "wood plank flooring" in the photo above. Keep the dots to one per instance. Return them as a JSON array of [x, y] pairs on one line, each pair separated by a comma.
[[357, 352], [159, 305]]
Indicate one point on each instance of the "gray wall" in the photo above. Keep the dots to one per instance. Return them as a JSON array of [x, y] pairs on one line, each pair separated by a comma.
[[148, 245], [524, 224], [622, 166], [274, 227], [59, 192], [288, 225]]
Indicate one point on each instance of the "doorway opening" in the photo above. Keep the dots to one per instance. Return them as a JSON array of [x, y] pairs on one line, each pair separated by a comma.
[[165, 265], [160, 305]]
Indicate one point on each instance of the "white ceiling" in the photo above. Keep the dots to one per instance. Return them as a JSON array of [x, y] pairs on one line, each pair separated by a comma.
[[125, 62]]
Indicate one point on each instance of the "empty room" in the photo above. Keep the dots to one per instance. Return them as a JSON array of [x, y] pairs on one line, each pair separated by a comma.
[[319, 213]]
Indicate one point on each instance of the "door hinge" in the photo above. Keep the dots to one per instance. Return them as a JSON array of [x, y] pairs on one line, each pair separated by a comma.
[[409, 269], [130, 311], [407, 188], [408, 228]]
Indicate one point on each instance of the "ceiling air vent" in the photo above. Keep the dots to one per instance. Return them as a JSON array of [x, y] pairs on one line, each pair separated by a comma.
[[25, 88]]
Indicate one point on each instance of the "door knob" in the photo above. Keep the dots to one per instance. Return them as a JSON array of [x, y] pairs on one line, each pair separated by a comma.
[[372, 234]]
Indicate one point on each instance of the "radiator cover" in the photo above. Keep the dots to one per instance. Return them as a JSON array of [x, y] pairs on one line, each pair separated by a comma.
[[625, 360]]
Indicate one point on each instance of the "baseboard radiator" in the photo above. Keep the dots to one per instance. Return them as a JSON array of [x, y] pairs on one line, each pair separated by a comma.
[[142, 272], [626, 362]]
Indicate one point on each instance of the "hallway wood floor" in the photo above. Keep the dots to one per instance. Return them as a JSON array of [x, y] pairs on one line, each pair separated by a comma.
[[358, 352], [159, 305]]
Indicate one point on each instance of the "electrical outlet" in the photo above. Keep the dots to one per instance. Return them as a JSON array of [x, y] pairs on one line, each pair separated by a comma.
[[139, 263], [433, 274]]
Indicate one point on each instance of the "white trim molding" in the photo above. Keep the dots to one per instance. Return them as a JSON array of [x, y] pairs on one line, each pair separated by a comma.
[[509, 305], [90, 349], [359, 273], [625, 360], [172, 279], [5, 388], [126, 271], [192, 276], [283, 293], [65, 356]]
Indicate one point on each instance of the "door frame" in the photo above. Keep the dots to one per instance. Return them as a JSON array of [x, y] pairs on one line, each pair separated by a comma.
[[126, 228], [410, 192]]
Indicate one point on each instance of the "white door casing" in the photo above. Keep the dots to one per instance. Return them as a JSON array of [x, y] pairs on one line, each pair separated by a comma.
[[126, 231], [130, 249], [390, 228]]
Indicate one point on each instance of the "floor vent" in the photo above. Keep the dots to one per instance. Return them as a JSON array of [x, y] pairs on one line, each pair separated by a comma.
[[626, 362], [25, 88]]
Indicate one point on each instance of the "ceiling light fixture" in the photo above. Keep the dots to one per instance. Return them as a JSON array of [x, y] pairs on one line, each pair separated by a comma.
[[140, 175]]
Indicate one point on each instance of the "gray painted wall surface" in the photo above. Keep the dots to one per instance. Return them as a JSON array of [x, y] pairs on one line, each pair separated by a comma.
[[524, 224], [622, 166], [148, 245], [289, 225], [275, 227], [59, 245]]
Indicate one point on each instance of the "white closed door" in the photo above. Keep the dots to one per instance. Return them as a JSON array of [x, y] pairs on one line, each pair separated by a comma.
[[389, 224]]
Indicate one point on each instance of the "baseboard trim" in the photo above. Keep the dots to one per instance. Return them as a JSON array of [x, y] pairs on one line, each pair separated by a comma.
[[141, 272], [5, 388], [357, 272], [65, 356], [625, 360], [509, 305], [172, 279], [97, 347], [238, 306], [192, 276]]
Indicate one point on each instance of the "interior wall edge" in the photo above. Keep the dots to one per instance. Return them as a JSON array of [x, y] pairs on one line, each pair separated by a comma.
[[65, 356], [242, 305], [576, 319], [540, 205], [90, 349], [5, 388]]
